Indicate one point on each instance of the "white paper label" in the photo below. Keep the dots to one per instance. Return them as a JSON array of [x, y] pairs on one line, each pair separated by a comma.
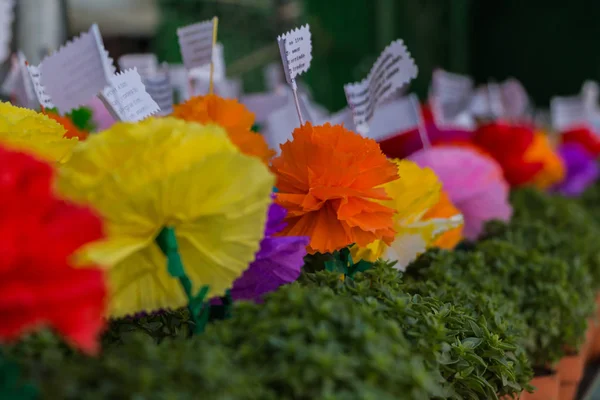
[[450, 95], [568, 112], [12, 78], [78, 71], [40, 92], [128, 98], [146, 64], [281, 123], [196, 43], [295, 48], [393, 69], [515, 99], [159, 87], [7, 17]]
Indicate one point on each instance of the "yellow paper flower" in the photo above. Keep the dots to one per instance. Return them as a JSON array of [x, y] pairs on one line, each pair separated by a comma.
[[416, 192], [169, 173], [35, 133], [541, 150]]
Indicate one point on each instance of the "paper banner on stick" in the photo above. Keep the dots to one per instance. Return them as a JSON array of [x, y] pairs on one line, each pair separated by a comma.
[[77, 72], [515, 99], [568, 112], [196, 43], [43, 98], [7, 16], [393, 69], [18, 83], [449, 97], [295, 48], [146, 63], [127, 97], [159, 87]]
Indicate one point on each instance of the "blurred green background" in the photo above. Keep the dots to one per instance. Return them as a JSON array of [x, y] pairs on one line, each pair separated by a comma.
[[548, 45]]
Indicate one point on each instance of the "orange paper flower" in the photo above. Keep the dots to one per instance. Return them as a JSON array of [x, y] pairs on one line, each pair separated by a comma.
[[328, 178], [234, 117], [445, 209], [71, 131], [541, 151]]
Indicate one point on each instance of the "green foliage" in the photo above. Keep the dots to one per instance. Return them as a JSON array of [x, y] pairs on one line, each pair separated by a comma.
[[136, 368], [12, 386], [308, 343], [82, 118], [538, 286], [340, 261], [471, 359]]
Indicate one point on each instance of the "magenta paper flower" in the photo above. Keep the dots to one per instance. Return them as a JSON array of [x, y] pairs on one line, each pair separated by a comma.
[[582, 169], [101, 116], [278, 262], [474, 183]]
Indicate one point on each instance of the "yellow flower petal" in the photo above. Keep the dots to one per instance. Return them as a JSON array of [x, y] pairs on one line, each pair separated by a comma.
[[166, 172]]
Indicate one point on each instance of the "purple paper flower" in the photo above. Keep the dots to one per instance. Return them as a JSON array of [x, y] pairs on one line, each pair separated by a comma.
[[279, 260], [582, 169]]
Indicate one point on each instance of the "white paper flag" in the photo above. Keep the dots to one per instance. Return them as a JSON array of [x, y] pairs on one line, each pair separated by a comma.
[[145, 63], [568, 112], [77, 72], [128, 98], [18, 83], [196, 43], [7, 16], [159, 87], [43, 98], [393, 69], [515, 99], [295, 48], [281, 123], [452, 91]]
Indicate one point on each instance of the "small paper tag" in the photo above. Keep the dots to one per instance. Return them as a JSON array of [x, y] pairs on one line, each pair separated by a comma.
[[78, 71], [43, 98], [281, 123], [567, 112], [515, 99], [589, 94], [196, 43], [128, 98], [12, 78], [7, 17], [146, 64], [159, 87], [393, 69], [295, 48], [449, 96]]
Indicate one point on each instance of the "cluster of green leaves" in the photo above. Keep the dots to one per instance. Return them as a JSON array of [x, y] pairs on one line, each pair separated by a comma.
[[302, 343], [470, 359]]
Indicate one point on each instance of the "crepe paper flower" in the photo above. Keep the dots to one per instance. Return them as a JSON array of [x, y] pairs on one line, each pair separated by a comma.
[[35, 133], [72, 131], [39, 234], [167, 173], [507, 144], [445, 209], [474, 183], [328, 180], [231, 115], [553, 169], [585, 137], [411, 196], [582, 170], [278, 262], [101, 117]]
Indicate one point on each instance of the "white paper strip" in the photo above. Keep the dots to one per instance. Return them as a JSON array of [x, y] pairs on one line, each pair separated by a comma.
[[568, 112], [515, 99], [128, 98], [12, 78], [196, 43], [393, 69], [145, 63], [7, 16], [159, 87], [43, 98], [281, 123], [295, 48], [264, 104], [449, 98], [78, 71]]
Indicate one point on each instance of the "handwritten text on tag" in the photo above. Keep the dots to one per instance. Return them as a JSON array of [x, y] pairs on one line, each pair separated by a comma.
[[196, 44], [128, 98]]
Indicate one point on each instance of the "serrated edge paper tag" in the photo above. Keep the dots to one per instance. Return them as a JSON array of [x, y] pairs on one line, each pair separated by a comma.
[[450, 96], [393, 69], [568, 112], [159, 87], [145, 63], [43, 98], [196, 43], [127, 97], [295, 48], [78, 71]]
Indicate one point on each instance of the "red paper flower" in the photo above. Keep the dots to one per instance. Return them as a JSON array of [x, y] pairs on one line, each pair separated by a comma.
[[585, 137], [39, 233], [508, 144]]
